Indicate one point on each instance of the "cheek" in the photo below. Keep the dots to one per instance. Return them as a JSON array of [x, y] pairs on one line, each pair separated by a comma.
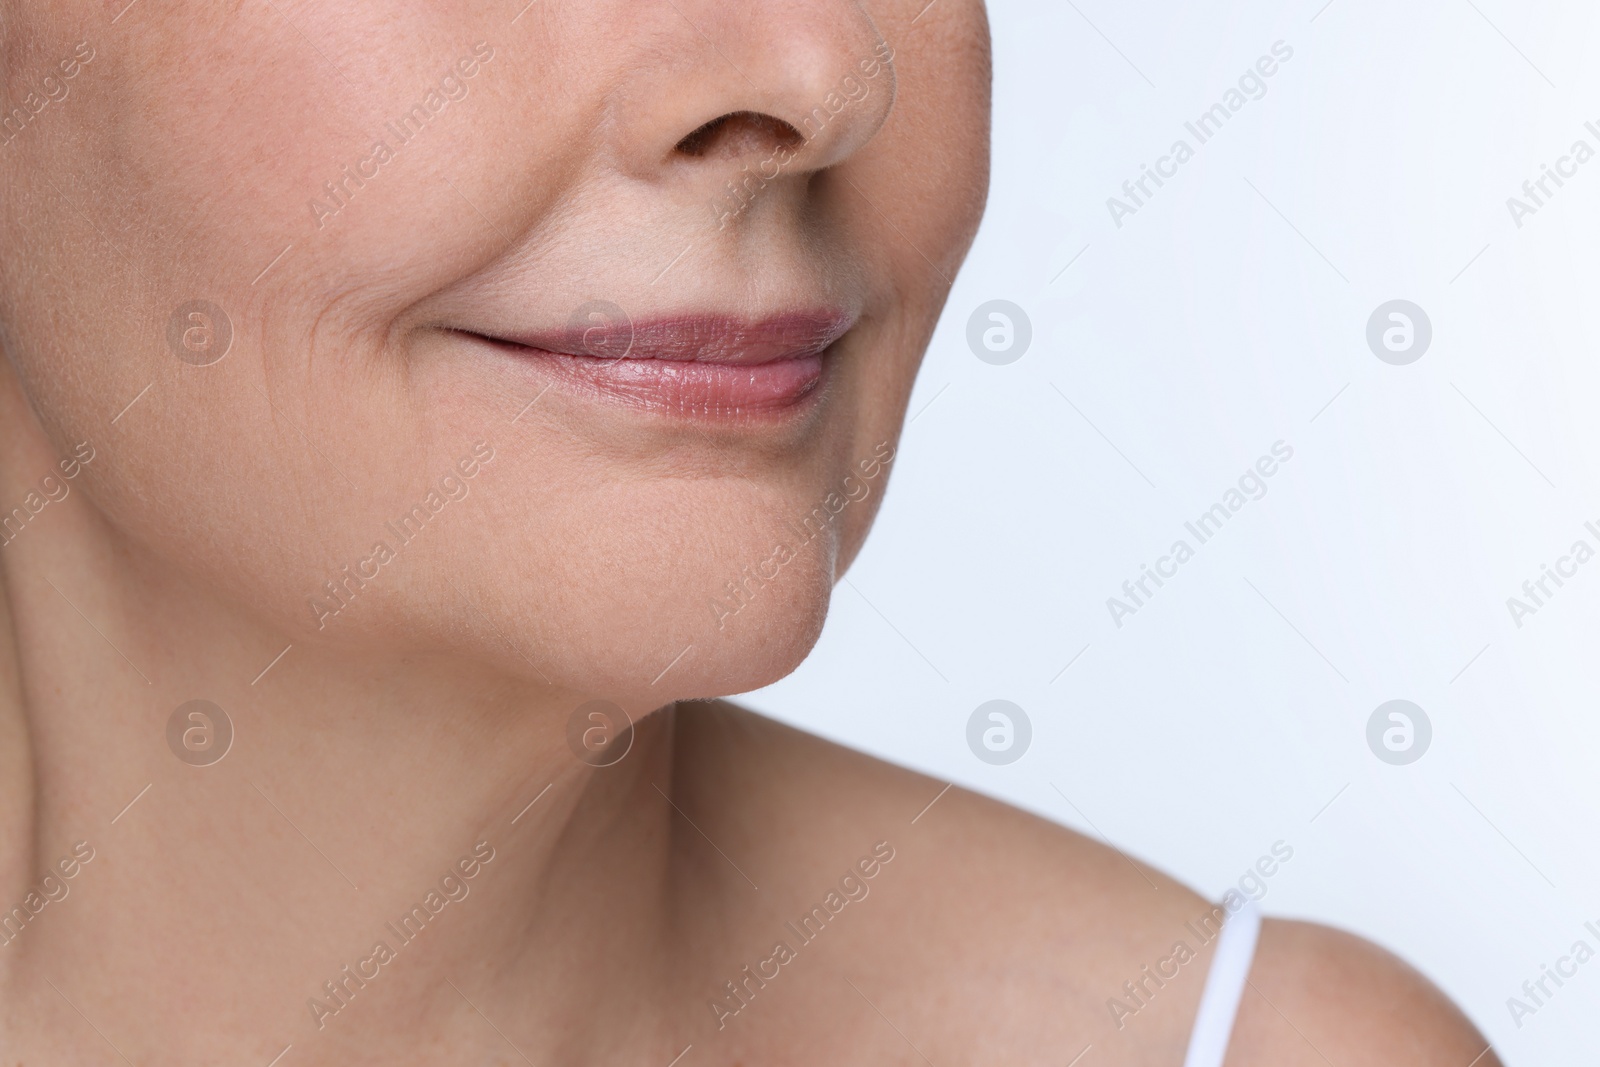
[[269, 470], [237, 150], [942, 114], [929, 210]]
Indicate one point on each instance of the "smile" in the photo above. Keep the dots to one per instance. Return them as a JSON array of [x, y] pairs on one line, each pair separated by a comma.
[[691, 366]]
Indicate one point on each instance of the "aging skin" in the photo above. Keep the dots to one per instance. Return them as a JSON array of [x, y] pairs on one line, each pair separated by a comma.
[[400, 335]]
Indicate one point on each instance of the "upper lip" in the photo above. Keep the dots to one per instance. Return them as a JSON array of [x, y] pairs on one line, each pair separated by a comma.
[[713, 338]]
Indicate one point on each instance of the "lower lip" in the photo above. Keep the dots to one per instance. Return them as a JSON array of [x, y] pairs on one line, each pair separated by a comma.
[[692, 389]]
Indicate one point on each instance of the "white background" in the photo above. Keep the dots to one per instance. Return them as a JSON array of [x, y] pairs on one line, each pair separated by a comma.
[[1222, 317]]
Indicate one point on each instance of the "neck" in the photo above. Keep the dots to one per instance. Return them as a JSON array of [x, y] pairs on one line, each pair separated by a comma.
[[421, 803]]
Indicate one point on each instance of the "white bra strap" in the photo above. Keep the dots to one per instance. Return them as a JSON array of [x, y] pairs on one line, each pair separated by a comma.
[[1219, 1003]]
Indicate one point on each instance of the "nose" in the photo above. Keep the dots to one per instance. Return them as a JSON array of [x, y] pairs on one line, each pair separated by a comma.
[[771, 88]]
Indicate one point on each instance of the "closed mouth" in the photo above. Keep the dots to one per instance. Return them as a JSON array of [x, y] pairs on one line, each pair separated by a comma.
[[691, 366]]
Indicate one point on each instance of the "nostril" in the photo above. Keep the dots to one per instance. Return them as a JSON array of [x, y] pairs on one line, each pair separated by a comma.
[[739, 133]]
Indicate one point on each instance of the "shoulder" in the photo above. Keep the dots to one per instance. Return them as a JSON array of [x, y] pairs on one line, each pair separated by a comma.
[[1320, 995], [999, 935]]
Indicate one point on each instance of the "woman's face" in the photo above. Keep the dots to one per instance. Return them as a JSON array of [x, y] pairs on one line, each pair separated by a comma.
[[570, 336]]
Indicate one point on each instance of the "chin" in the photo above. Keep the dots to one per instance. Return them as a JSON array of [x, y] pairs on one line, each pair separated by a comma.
[[690, 605], [706, 630], [764, 642]]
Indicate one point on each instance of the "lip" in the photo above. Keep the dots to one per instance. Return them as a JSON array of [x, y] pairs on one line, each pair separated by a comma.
[[714, 367]]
